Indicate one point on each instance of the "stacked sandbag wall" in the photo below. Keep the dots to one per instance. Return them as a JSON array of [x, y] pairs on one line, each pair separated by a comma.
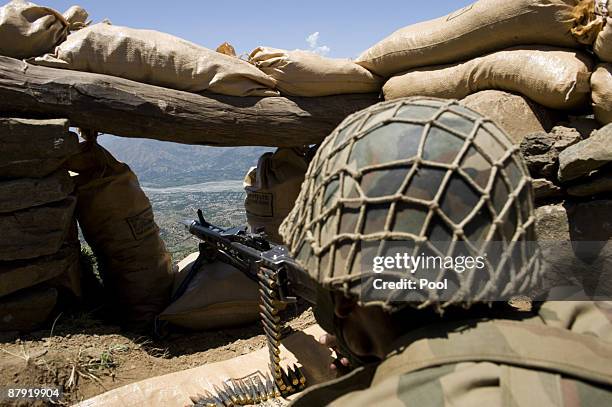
[[554, 52], [39, 246], [49, 183], [484, 27], [553, 77]]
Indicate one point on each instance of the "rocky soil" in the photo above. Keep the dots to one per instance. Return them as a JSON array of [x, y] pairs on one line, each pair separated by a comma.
[[85, 357]]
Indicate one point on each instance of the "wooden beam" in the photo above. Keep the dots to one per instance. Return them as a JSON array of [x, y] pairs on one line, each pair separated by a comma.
[[131, 109]]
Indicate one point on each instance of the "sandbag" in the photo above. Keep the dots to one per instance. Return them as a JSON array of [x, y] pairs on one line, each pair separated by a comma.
[[481, 27], [26, 193], [159, 59], [71, 280], [27, 309], [117, 222], [553, 77], [218, 296], [35, 232], [76, 17], [516, 115], [176, 389], [601, 85], [303, 73], [34, 148], [603, 43], [272, 188], [28, 30], [17, 275]]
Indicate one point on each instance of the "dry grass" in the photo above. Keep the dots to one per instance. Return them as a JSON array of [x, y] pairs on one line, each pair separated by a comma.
[[79, 365], [85, 366]]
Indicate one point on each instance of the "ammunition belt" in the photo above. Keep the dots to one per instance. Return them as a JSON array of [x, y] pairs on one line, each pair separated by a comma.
[[278, 382]]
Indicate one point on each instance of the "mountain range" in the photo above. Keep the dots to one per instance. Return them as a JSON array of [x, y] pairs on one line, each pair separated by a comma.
[[165, 164]]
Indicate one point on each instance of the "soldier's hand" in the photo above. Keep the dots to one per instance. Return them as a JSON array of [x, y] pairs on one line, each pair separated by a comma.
[[340, 364]]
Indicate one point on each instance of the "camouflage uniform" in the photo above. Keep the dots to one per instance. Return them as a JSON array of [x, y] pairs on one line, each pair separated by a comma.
[[427, 170], [559, 357]]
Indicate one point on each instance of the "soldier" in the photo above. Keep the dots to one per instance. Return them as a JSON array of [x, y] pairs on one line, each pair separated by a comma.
[[431, 174], [272, 187]]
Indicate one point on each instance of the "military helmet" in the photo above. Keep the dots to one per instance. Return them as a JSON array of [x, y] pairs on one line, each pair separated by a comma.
[[422, 170]]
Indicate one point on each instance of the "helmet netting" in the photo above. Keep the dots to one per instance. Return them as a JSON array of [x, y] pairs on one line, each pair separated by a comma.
[[422, 170]]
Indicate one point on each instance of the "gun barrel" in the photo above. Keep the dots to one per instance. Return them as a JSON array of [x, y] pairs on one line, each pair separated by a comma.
[[234, 249], [235, 253]]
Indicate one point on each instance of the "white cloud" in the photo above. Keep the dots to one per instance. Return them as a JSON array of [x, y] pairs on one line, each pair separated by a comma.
[[313, 39], [322, 50], [313, 42]]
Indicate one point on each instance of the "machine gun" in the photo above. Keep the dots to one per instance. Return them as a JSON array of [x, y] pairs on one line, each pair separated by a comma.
[[281, 280]]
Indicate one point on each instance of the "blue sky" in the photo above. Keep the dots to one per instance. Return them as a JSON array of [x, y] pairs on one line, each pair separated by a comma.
[[345, 27]]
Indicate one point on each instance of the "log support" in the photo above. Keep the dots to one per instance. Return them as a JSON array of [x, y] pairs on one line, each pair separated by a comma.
[[131, 109]]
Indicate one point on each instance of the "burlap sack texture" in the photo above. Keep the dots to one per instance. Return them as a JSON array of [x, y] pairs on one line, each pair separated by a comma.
[[77, 18], [37, 231], [39, 248], [27, 273], [603, 44], [28, 30], [272, 188], [553, 77], [35, 209], [117, 221], [34, 148], [18, 194], [30, 288], [60, 270], [176, 389], [159, 59], [24, 310], [303, 73], [482, 27], [219, 296], [601, 85]]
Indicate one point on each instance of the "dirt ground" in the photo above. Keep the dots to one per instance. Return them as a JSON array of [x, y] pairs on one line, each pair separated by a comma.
[[85, 357]]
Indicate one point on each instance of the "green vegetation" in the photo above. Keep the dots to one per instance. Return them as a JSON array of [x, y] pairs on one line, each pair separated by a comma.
[[224, 208], [89, 262]]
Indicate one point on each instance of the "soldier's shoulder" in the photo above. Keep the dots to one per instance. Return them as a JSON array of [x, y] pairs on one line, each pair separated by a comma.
[[478, 383]]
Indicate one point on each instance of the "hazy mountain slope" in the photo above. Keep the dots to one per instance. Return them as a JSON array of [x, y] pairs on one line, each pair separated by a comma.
[[159, 163]]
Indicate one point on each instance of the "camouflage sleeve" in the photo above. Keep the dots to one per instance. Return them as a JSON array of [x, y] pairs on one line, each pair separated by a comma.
[[479, 384], [325, 393], [593, 318], [463, 384], [556, 358]]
